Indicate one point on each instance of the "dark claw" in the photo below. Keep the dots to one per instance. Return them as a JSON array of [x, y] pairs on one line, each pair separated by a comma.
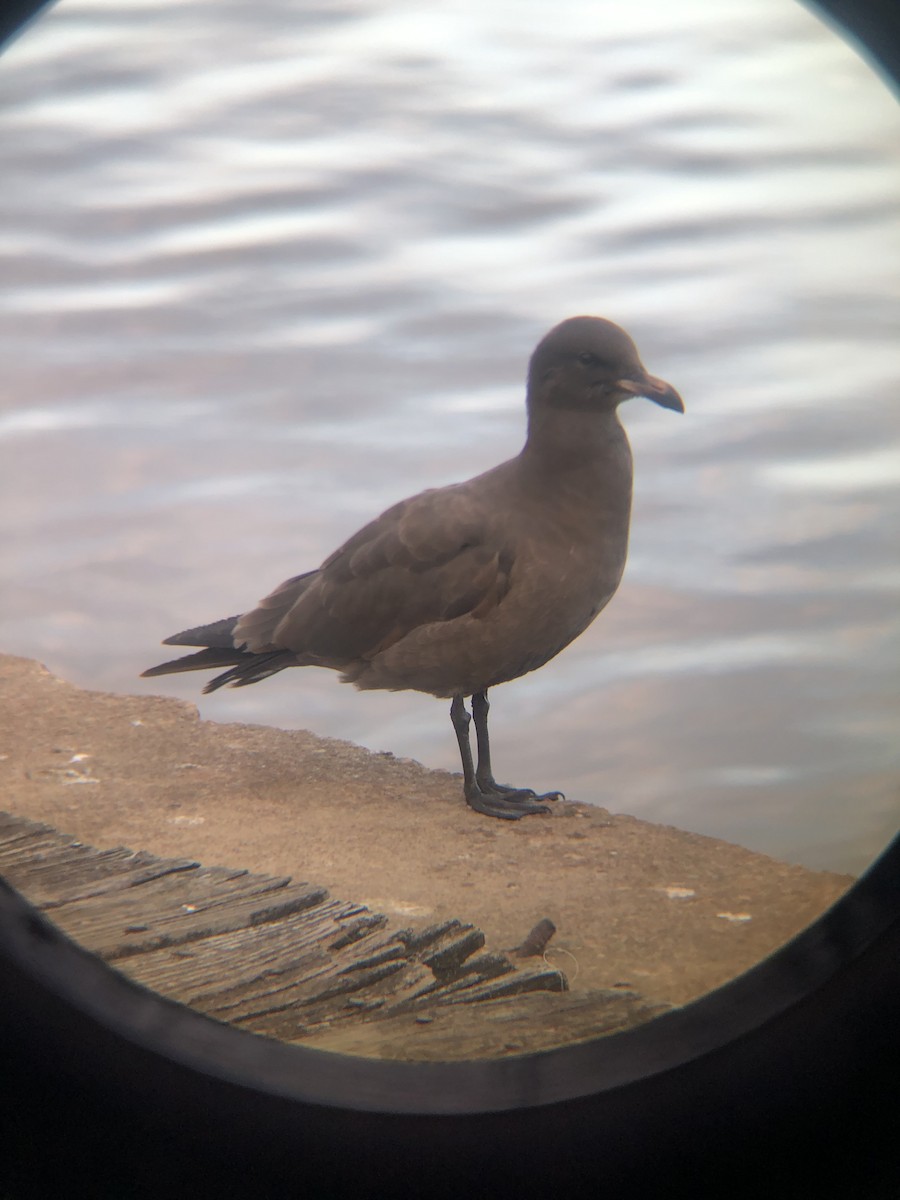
[[509, 804], [490, 787]]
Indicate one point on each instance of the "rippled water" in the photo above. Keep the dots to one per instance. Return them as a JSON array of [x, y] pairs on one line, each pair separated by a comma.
[[269, 268]]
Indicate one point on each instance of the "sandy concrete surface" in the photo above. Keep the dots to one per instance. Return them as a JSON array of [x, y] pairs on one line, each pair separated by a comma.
[[671, 913]]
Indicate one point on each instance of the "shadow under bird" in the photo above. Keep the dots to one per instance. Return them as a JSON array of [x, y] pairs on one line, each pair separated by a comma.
[[461, 588]]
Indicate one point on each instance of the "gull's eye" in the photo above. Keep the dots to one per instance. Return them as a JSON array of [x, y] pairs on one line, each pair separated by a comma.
[[589, 360]]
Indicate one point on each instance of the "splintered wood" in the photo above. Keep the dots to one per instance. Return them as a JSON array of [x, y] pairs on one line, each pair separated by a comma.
[[280, 958]]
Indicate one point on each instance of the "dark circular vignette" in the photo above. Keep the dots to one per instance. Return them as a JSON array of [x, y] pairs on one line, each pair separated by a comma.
[[872, 27], [785, 1079], [16, 14]]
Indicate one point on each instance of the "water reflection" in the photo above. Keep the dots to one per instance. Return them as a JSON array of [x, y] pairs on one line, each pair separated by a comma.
[[254, 296]]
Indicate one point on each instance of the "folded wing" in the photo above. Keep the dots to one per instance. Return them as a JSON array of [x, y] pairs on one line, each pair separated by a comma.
[[433, 558]]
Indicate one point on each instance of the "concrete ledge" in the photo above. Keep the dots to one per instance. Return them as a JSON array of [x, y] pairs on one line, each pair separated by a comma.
[[667, 913]]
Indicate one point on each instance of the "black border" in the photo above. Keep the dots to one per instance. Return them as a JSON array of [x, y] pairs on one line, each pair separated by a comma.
[[40, 965], [786, 1075]]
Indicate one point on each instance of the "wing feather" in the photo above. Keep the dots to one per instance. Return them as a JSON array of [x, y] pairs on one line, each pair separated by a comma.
[[435, 557]]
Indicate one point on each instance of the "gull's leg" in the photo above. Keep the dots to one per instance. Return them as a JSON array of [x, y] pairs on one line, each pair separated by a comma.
[[494, 801], [484, 775], [459, 715]]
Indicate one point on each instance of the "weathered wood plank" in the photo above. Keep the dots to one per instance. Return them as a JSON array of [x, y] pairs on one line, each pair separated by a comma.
[[487, 1029], [446, 961], [61, 879], [225, 960], [275, 957], [51, 898], [484, 986], [181, 908], [55, 870], [327, 989], [33, 847]]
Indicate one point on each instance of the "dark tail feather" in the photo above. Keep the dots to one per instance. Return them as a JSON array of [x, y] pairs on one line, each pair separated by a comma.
[[219, 651], [215, 636], [251, 668], [203, 660]]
